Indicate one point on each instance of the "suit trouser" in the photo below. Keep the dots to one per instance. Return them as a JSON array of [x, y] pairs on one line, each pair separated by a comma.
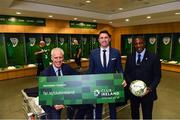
[[84, 112], [52, 113], [146, 105], [112, 111]]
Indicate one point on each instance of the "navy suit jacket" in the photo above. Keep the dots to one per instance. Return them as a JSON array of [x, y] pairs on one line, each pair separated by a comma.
[[66, 70], [114, 64], [149, 71]]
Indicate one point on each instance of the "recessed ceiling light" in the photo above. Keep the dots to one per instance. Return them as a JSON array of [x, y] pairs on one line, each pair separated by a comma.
[[177, 13], [148, 17], [94, 20], [120, 8], [88, 1], [18, 13], [75, 18], [50, 16], [110, 22], [127, 20]]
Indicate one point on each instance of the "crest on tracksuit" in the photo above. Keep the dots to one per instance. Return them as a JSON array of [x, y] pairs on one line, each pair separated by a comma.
[[152, 40], [166, 40], [129, 40], [32, 41], [61, 40], [14, 41], [48, 41]]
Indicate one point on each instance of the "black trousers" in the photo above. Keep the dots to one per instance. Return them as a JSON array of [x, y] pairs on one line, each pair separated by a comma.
[[146, 105], [51, 112], [78, 61], [80, 112], [85, 112], [112, 111], [40, 68]]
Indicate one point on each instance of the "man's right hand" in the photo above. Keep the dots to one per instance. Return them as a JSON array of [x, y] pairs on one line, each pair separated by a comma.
[[59, 107], [124, 83]]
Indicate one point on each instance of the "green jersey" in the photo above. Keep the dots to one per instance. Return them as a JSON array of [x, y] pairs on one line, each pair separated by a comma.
[[15, 53], [2, 53], [85, 48], [64, 46], [31, 57]]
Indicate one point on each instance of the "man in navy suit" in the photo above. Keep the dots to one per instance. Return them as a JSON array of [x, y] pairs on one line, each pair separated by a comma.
[[145, 66], [105, 60], [58, 68]]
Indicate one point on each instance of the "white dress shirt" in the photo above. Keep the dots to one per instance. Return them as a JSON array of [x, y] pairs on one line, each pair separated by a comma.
[[107, 55], [142, 55], [56, 70]]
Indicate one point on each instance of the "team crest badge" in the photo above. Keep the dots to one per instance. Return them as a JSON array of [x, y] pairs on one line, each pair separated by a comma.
[[166, 40], [48, 41], [32, 41], [152, 40], [129, 40], [14, 41]]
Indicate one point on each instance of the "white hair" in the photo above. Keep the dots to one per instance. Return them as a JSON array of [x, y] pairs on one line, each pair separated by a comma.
[[57, 49]]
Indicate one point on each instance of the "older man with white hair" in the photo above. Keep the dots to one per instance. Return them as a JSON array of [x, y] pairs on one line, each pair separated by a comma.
[[58, 68]]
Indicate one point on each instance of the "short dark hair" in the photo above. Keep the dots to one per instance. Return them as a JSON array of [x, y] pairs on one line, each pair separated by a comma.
[[139, 37], [104, 31]]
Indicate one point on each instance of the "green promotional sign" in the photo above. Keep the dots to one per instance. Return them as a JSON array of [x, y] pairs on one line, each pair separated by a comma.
[[17, 20], [78, 24], [81, 89]]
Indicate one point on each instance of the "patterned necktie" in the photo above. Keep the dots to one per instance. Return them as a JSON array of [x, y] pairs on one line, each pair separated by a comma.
[[139, 59], [104, 58]]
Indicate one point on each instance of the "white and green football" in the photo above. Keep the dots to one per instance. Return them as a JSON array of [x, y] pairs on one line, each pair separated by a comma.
[[138, 88]]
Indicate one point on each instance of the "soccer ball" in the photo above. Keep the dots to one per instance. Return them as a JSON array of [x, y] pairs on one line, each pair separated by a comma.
[[138, 88]]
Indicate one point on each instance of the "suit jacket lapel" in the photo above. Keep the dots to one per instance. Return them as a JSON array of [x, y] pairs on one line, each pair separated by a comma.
[[145, 57], [53, 73], [99, 57], [110, 56], [134, 58]]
